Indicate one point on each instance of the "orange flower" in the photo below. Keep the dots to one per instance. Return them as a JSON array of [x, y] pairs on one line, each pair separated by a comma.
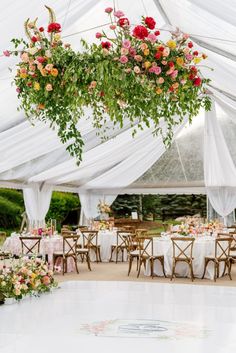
[[41, 106], [158, 90], [146, 52], [54, 72], [180, 61]]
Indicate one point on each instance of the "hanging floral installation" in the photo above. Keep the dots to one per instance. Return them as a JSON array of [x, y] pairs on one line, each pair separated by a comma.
[[129, 75]]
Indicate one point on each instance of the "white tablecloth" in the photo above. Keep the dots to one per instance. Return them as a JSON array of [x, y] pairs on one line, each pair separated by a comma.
[[203, 246], [49, 245]]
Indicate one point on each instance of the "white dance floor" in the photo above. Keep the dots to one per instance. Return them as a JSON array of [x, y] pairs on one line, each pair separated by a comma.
[[122, 317]]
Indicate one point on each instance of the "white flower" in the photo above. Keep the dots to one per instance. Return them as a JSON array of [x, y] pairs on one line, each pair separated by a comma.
[[33, 50], [48, 53]]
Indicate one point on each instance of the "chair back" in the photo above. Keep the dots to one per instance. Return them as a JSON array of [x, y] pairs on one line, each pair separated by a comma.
[[121, 238], [141, 232], [182, 247], [222, 247], [70, 244], [30, 245], [233, 237], [90, 238], [145, 246]]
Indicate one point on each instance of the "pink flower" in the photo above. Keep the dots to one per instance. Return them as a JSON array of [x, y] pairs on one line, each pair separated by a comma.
[[166, 52], [112, 27], [98, 35], [189, 57], [161, 80], [126, 44], [170, 71], [24, 57], [132, 51], [138, 58], [128, 70], [6, 53], [155, 69], [40, 59], [49, 87], [49, 67], [164, 62], [174, 74], [137, 70], [124, 51], [185, 36], [152, 38], [18, 90], [183, 81], [119, 14], [123, 59], [46, 280], [109, 10]]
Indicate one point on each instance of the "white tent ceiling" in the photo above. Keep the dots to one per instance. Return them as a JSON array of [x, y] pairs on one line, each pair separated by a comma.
[[30, 154]]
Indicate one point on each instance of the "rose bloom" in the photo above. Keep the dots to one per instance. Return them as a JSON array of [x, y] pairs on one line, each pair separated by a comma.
[[171, 44], [137, 70], [158, 90], [152, 38], [155, 69], [170, 71], [33, 50], [146, 52], [48, 53], [158, 55], [147, 64], [41, 29], [180, 61], [98, 35], [186, 50], [175, 85], [128, 70], [106, 45], [24, 57], [197, 81], [112, 27], [123, 22], [132, 51], [54, 27], [18, 90], [54, 72], [93, 84], [119, 14], [46, 280], [189, 57], [40, 59], [190, 44], [160, 80], [124, 51], [183, 81], [49, 67], [157, 33], [166, 52], [43, 72], [150, 22], [109, 10], [124, 59], [34, 39], [143, 46], [140, 32], [174, 74], [138, 58], [36, 86], [48, 87], [6, 53], [126, 44]]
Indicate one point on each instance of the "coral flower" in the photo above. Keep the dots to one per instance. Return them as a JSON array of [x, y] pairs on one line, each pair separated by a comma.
[[124, 59], [54, 72], [126, 44], [137, 70], [48, 87], [119, 14], [109, 10]]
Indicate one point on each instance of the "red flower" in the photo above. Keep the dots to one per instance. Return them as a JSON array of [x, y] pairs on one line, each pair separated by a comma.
[[197, 82], [158, 55], [190, 44], [123, 22], [193, 69], [54, 27], [171, 64], [34, 39], [106, 45], [161, 48], [171, 88], [140, 32], [102, 94], [157, 33], [41, 29], [195, 53], [150, 22], [192, 77]]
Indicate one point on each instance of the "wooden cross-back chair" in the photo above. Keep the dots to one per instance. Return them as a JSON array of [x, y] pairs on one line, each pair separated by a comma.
[[3, 254], [69, 250], [90, 242], [146, 253], [222, 254], [120, 246], [182, 252], [30, 246]]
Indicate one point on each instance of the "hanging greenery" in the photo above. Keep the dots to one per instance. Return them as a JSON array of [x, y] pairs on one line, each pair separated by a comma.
[[130, 75]]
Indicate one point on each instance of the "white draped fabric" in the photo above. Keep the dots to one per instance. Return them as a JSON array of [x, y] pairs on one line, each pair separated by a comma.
[[37, 201], [219, 169]]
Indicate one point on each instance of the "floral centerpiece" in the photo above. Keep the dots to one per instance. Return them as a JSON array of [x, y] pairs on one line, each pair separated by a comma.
[[26, 277], [131, 75], [104, 210]]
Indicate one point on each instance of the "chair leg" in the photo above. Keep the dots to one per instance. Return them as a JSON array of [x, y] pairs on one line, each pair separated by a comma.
[[205, 267], [229, 265], [163, 267], [76, 264], [152, 267], [191, 271], [130, 264], [63, 266], [112, 249], [117, 250], [88, 261], [224, 269], [173, 270], [139, 268], [215, 271], [137, 265]]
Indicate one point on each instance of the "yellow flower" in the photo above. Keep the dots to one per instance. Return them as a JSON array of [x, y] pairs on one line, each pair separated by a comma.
[[36, 86], [23, 75], [158, 90], [147, 64], [33, 275], [54, 72], [180, 61], [57, 37], [197, 60], [146, 52], [171, 44]]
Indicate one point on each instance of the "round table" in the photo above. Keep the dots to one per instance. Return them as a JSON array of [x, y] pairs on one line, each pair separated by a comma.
[[203, 246]]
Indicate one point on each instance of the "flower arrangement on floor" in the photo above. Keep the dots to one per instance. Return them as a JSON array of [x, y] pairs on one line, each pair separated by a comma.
[[26, 277], [131, 75]]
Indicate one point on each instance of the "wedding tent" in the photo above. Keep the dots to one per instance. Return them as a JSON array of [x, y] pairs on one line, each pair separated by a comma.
[[203, 155]]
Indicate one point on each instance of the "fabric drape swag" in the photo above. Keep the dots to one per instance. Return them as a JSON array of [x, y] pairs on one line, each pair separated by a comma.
[[37, 200], [219, 169]]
